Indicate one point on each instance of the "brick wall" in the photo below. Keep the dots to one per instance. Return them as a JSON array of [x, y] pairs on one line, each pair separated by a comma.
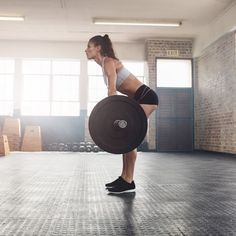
[[159, 48], [215, 96]]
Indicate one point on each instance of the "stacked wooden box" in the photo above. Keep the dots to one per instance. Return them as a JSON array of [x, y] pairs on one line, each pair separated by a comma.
[[12, 129], [32, 140], [4, 146]]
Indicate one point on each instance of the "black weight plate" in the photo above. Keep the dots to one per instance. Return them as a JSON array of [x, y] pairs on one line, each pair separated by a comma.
[[114, 139]]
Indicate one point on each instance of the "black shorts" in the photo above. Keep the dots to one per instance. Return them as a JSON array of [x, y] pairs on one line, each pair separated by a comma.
[[145, 95]]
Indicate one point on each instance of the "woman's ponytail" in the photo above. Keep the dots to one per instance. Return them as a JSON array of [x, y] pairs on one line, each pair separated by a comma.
[[106, 45]]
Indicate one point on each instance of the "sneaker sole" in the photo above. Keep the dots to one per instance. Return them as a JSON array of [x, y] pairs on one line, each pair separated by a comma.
[[126, 191]]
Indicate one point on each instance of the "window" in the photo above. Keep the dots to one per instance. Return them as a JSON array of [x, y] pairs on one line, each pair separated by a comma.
[[7, 71], [65, 88], [174, 73], [50, 87], [97, 87], [36, 87]]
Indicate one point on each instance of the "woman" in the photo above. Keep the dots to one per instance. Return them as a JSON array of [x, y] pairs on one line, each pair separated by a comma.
[[118, 78]]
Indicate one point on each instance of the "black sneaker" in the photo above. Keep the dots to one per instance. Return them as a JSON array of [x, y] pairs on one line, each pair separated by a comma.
[[122, 187], [114, 183]]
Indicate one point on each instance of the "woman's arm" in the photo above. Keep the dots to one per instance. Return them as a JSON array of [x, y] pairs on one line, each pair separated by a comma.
[[110, 71]]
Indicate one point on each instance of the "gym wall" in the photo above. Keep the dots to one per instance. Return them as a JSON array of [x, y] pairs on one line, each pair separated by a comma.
[[214, 85], [159, 48], [215, 97]]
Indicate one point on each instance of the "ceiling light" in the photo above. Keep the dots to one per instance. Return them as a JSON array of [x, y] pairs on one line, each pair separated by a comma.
[[12, 18], [131, 22]]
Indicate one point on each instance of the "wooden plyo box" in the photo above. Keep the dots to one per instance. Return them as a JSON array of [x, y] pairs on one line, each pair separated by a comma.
[[32, 140], [4, 146], [12, 129]]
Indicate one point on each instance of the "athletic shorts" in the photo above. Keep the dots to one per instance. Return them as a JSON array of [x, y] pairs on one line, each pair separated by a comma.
[[145, 95]]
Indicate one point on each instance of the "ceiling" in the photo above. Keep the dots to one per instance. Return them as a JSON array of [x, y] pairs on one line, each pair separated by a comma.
[[71, 20]]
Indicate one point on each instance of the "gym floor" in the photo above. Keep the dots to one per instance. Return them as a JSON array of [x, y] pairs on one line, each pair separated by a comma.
[[63, 194]]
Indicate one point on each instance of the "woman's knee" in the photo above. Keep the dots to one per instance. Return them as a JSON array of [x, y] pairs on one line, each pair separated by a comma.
[[131, 153], [148, 109]]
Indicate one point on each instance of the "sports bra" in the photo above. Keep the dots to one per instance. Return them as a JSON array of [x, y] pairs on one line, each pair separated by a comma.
[[122, 75]]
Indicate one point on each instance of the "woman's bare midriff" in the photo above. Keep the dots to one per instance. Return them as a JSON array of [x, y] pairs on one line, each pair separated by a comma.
[[130, 86]]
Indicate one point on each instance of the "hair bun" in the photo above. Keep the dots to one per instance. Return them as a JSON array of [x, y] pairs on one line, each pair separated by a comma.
[[106, 36]]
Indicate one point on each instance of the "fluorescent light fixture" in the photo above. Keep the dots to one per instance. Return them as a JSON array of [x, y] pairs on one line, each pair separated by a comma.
[[12, 18], [132, 22]]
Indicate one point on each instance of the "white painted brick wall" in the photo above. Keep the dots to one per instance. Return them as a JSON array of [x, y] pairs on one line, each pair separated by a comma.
[[215, 96]]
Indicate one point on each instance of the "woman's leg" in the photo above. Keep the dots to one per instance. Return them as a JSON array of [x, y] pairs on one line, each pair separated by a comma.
[[148, 109], [123, 174], [130, 157], [129, 160]]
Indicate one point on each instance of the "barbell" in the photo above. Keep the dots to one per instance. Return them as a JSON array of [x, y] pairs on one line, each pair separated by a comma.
[[117, 124]]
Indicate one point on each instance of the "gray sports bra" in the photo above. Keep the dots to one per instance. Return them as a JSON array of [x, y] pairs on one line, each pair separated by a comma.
[[122, 75]]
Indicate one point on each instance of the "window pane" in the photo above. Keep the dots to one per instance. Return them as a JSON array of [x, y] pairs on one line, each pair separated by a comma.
[[66, 88], [36, 67], [91, 105], [174, 73], [7, 70], [7, 66], [94, 68], [66, 67], [6, 108], [36, 87], [35, 108], [65, 108], [53, 83], [6, 87], [97, 88]]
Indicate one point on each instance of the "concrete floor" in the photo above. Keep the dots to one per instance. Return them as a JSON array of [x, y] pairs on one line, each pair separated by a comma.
[[63, 194]]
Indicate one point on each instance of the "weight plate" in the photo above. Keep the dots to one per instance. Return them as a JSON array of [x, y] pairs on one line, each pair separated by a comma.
[[117, 124]]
